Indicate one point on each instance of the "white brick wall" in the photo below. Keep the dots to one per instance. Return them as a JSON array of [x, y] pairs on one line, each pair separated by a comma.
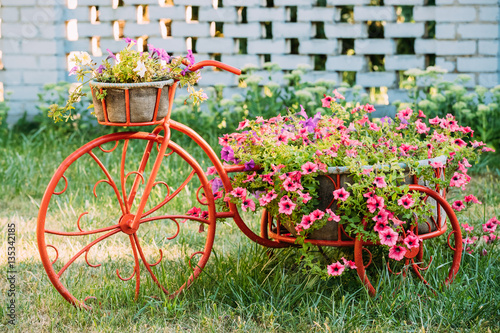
[[477, 64], [374, 13], [403, 62], [404, 30], [476, 31], [346, 63], [374, 46], [455, 14], [376, 79], [34, 44]]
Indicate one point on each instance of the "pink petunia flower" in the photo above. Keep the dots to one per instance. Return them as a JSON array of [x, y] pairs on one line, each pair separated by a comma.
[[458, 180], [489, 227], [309, 167], [335, 269], [397, 252], [382, 216], [327, 101], [317, 215], [286, 206], [218, 194], [467, 227], [341, 194], [374, 127], [458, 205], [375, 203], [435, 121], [459, 142], [338, 95], [397, 222], [332, 217], [388, 237], [263, 200], [494, 220], [380, 226], [421, 114], [436, 165], [304, 196], [195, 211], [380, 182], [248, 204], [291, 185], [349, 263], [306, 222], [369, 108], [250, 178], [473, 199], [421, 127], [351, 152], [370, 194], [239, 192], [367, 171], [411, 240], [243, 124], [211, 171], [406, 201]]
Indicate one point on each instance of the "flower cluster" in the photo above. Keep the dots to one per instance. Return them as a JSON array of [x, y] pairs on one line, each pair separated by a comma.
[[490, 234], [129, 66], [285, 155]]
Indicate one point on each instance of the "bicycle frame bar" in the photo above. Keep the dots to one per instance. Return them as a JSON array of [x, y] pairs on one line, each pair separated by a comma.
[[214, 63]]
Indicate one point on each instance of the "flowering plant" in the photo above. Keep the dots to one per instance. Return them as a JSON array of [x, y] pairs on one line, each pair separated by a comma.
[[129, 66], [284, 156]]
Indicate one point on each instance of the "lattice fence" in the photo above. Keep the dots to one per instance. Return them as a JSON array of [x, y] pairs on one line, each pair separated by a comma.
[[366, 42]]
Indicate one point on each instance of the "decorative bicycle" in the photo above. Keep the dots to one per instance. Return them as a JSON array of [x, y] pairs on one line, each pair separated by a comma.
[[72, 227]]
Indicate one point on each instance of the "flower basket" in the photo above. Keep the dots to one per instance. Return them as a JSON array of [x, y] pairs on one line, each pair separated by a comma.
[[132, 103], [340, 177]]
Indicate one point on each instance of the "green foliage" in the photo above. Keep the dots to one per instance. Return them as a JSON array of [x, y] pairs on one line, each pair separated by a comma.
[[57, 93]]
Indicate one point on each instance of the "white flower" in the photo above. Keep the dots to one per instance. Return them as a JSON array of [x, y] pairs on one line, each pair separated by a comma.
[[140, 69], [85, 58]]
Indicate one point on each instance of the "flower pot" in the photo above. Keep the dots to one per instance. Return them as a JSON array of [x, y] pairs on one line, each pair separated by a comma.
[[327, 184], [132, 103]]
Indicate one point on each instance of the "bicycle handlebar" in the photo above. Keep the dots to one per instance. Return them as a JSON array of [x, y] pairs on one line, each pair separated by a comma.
[[213, 63]]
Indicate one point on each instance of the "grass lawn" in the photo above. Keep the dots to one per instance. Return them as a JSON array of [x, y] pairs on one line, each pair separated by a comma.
[[243, 288]]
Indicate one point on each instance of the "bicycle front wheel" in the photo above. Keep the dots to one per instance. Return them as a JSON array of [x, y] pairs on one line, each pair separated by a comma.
[[83, 230]]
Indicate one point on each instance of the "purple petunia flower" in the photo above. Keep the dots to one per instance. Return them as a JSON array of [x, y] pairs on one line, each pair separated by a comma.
[[386, 119], [163, 55], [227, 154], [100, 69], [73, 71], [111, 55], [249, 165], [310, 123], [216, 184], [185, 71], [190, 57], [403, 120], [152, 50], [130, 41]]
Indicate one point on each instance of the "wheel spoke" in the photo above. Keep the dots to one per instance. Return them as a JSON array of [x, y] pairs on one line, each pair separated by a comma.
[[168, 198], [148, 266], [86, 248], [110, 180]]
